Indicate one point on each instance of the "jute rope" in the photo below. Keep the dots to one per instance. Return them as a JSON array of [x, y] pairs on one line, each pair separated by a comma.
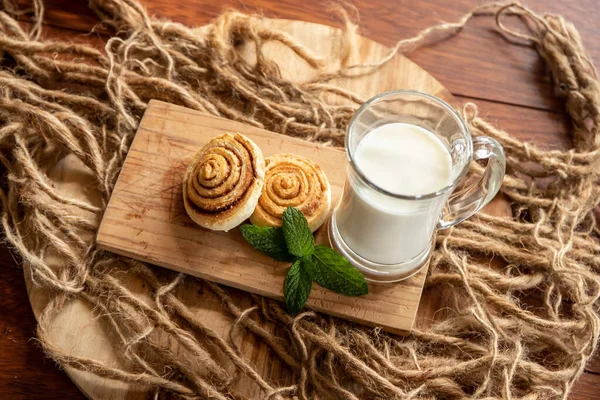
[[522, 332]]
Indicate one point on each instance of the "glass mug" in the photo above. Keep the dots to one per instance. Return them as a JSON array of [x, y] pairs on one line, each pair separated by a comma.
[[389, 236]]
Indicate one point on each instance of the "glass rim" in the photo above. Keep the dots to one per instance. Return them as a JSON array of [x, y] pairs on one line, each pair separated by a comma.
[[445, 106]]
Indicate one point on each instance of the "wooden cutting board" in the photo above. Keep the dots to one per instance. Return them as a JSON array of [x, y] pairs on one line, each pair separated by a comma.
[[145, 218], [79, 330]]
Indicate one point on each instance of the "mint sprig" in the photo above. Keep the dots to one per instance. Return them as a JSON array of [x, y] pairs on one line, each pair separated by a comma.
[[298, 236], [295, 242], [334, 272], [296, 286], [268, 240]]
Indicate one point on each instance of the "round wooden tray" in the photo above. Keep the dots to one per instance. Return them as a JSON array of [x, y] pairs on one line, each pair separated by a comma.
[[78, 330]]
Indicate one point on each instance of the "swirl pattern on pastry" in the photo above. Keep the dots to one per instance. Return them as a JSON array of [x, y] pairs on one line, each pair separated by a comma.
[[223, 182], [292, 180]]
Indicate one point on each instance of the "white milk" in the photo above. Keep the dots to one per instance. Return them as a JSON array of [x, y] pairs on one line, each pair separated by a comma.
[[401, 159]]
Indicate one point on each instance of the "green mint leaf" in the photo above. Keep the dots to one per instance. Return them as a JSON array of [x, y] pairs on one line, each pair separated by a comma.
[[268, 240], [309, 265], [298, 236], [296, 287], [335, 273]]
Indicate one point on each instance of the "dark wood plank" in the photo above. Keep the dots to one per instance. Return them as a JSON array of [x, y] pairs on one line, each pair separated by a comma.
[[25, 373], [548, 129], [543, 128], [478, 63], [594, 365], [586, 388]]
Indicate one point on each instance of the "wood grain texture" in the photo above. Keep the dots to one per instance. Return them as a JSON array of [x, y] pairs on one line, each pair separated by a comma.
[[545, 129], [25, 373], [384, 21], [587, 388], [474, 63], [145, 218], [593, 365]]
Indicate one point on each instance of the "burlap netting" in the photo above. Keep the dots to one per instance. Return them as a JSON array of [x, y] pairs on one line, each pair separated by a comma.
[[525, 331]]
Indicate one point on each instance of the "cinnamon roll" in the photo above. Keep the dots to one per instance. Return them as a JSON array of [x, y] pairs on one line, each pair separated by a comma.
[[222, 184], [292, 180]]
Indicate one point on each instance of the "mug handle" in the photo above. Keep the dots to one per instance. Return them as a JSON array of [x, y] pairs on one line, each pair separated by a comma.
[[463, 204]]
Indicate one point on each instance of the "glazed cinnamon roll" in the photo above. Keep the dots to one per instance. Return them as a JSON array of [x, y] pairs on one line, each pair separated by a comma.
[[292, 180], [222, 184]]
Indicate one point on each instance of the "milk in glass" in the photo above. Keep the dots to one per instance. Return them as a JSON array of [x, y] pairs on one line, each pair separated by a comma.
[[402, 159]]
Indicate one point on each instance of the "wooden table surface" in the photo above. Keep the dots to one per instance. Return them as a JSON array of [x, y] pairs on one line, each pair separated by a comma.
[[510, 84]]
